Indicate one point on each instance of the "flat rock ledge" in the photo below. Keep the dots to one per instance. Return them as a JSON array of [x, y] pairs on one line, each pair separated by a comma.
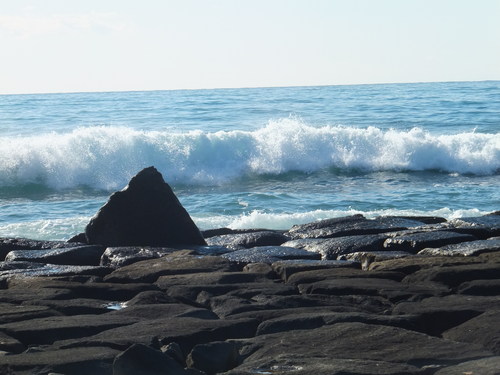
[[395, 295]]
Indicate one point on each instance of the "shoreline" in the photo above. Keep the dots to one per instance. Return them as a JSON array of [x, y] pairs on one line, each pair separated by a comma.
[[394, 295]]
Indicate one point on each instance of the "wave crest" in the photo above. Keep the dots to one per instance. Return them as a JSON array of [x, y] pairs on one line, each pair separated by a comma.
[[106, 157]]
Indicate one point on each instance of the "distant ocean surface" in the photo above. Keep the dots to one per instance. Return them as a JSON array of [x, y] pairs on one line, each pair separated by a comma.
[[253, 157]]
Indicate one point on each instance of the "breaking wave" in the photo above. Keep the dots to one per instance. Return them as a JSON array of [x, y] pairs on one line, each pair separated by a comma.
[[105, 157]]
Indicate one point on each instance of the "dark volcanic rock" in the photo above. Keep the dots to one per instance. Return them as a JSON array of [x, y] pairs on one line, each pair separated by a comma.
[[214, 357], [262, 310], [331, 248], [20, 295], [334, 222], [355, 341], [10, 312], [75, 256], [339, 366], [483, 227], [418, 241], [10, 344], [140, 359], [351, 226], [145, 213], [455, 275], [483, 329], [150, 297], [181, 262], [312, 276], [365, 258], [97, 290], [74, 361], [423, 219], [412, 264], [286, 268], [481, 287], [386, 288], [438, 314], [222, 231], [9, 244], [268, 254], [464, 248], [316, 319], [75, 306], [143, 312], [247, 240], [122, 256], [185, 331], [211, 278], [50, 329], [246, 294], [483, 366], [13, 269]]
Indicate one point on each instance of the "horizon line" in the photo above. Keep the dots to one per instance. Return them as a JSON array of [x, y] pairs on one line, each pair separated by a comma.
[[240, 88]]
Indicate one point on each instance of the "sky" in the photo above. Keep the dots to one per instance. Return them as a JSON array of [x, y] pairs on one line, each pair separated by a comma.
[[116, 45]]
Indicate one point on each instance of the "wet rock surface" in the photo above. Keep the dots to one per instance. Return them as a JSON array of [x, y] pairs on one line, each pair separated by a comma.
[[373, 307]]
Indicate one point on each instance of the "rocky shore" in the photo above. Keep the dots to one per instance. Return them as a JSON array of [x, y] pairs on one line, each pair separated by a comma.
[[143, 291]]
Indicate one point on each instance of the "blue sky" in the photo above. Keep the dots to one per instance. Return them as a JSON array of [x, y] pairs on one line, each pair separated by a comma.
[[110, 45]]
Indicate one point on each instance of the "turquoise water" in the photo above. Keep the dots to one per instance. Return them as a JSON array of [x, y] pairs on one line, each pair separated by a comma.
[[259, 157]]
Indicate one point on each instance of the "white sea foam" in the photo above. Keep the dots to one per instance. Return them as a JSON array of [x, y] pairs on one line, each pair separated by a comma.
[[47, 229], [63, 229], [261, 219], [106, 157]]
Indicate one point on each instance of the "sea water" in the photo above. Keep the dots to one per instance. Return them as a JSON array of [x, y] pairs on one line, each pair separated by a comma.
[[253, 157]]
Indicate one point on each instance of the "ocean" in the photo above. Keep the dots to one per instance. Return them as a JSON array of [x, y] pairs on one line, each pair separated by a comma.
[[252, 157]]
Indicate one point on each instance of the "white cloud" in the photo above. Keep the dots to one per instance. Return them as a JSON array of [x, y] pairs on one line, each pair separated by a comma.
[[28, 25]]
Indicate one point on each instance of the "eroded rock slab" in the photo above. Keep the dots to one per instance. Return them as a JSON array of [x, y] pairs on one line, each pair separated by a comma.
[[212, 278], [365, 258], [389, 289], [48, 330], [75, 256], [351, 226], [483, 366], [248, 240], [96, 290], [186, 331], [464, 249], [268, 254], [483, 227], [418, 241], [286, 268], [311, 276], [121, 256], [10, 244], [305, 366], [355, 341], [439, 314], [75, 361], [20, 269], [13, 312], [214, 357], [10, 345], [455, 275], [332, 248], [182, 262], [483, 329], [140, 359], [412, 264], [480, 287]]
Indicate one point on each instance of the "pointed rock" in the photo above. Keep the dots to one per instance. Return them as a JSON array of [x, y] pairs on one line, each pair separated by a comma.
[[145, 213]]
